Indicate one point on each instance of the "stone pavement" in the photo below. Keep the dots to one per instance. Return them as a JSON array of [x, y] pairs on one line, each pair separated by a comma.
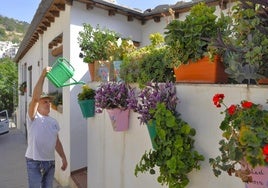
[[12, 161]]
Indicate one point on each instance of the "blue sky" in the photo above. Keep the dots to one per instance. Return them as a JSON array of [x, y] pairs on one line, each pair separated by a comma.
[[24, 10]]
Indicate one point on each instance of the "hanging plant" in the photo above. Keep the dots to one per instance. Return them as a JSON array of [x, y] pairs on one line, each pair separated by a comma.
[[23, 88]]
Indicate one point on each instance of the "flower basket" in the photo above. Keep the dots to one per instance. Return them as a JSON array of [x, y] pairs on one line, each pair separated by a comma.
[[87, 107], [86, 101], [152, 132], [259, 177], [119, 119], [244, 146], [201, 71]]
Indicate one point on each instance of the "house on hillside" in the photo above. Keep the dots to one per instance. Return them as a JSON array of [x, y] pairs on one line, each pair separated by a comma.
[[53, 33]]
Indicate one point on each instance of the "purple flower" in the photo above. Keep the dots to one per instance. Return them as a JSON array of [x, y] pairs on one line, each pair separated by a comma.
[[152, 94], [114, 95]]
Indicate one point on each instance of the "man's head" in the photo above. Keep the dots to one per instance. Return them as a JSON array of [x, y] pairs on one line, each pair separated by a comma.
[[44, 104], [46, 96]]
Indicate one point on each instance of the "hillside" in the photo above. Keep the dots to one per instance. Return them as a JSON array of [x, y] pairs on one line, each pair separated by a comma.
[[12, 30]]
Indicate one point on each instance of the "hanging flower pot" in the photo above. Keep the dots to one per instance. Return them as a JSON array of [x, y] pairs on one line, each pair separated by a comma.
[[119, 119], [259, 177], [87, 107], [152, 133]]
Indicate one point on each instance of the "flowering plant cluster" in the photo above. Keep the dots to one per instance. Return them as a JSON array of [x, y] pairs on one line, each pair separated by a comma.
[[86, 93], [118, 49], [153, 94], [114, 95], [245, 142]]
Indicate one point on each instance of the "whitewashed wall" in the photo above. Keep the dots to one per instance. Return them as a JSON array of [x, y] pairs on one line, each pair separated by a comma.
[[112, 156], [75, 135]]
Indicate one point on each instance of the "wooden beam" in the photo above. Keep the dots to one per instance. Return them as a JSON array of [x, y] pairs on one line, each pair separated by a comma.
[[130, 18], [69, 2], [55, 13], [90, 6], [43, 28], [157, 19], [50, 18], [111, 12], [46, 24], [60, 6]]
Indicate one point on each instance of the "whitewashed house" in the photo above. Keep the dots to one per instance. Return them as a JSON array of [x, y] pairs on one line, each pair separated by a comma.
[[110, 157]]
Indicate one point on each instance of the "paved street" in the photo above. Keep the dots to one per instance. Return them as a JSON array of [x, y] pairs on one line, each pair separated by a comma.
[[12, 162]]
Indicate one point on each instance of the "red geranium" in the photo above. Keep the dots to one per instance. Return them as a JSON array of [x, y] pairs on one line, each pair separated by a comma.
[[232, 109], [217, 100], [244, 130], [265, 149], [246, 104]]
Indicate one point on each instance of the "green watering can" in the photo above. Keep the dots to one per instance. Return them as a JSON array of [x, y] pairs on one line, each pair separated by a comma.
[[62, 71]]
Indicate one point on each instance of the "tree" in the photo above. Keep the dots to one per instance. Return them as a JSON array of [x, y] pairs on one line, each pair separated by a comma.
[[8, 85]]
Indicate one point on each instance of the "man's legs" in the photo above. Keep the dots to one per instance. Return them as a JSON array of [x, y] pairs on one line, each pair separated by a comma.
[[34, 174], [48, 175], [40, 173]]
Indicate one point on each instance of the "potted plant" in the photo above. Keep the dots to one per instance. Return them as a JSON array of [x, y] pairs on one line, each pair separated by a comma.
[[93, 42], [150, 95], [117, 98], [147, 64], [244, 147], [117, 50], [245, 44], [86, 101], [188, 42], [23, 87], [173, 142]]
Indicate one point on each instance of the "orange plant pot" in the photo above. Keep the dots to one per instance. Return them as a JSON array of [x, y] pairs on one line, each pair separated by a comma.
[[91, 69], [263, 81], [201, 71]]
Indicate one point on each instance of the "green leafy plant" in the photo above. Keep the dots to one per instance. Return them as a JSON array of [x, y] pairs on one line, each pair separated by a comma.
[[189, 40], [117, 50], [245, 139], [23, 87], [245, 44], [93, 43], [147, 64], [174, 154], [86, 93]]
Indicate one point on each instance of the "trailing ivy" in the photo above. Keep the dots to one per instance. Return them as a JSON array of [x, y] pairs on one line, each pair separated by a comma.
[[174, 153]]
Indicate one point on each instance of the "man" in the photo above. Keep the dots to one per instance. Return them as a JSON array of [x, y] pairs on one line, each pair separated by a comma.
[[43, 139]]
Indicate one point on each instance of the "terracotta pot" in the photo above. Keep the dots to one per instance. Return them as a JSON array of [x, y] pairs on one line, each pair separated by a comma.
[[91, 68], [263, 81], [201, 71]]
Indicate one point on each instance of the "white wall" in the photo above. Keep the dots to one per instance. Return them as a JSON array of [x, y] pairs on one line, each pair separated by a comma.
[[112, 156], [74, 131]]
